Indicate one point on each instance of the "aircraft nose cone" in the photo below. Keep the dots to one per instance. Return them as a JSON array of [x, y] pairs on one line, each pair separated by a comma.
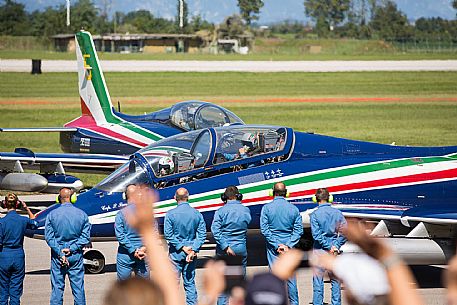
[[78, 185]]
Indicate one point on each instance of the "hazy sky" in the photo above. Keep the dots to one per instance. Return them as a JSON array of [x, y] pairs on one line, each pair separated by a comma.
[[274, 10]]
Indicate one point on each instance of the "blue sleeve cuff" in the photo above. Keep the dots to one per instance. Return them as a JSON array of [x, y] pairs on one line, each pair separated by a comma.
[[179, 246], [132, 250], [224, 245], [74, 248], [196, 246]]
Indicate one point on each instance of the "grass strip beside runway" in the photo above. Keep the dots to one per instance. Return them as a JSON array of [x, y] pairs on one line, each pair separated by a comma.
[[285, 84]]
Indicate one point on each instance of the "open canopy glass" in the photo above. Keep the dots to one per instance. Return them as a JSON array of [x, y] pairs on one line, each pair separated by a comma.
[[195, 115]]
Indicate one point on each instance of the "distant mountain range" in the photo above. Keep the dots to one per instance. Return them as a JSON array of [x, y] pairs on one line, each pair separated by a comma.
[[273, 11]]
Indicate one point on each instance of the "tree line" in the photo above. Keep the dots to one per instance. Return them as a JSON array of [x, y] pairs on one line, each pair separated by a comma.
[[361, 19], [374, 19]]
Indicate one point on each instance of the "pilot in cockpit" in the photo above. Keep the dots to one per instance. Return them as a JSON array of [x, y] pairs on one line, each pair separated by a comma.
[[250, 147], [166, 166], [185, 117], [250, 143]]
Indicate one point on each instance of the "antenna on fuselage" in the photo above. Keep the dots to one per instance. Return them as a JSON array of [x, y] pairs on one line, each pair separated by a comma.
[[118, 106]]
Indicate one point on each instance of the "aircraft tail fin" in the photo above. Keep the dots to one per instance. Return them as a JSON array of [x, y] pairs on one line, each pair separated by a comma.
[[95, 98], [96, 106]]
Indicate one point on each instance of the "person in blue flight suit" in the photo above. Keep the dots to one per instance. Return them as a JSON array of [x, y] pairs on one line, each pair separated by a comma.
[[12, 257], [326, 223], [229, 228], [131, 252], [185, 233], [281, 224], [67, 231]]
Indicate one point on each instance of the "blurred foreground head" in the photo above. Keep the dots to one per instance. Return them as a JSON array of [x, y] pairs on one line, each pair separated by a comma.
[[266, 289], [134, 291]]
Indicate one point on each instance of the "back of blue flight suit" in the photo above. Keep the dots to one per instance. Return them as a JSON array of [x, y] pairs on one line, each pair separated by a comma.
[[12, 257], [281, 223], [326, 223], [229, 228], [184, 226], [129, 241], [67, 227]]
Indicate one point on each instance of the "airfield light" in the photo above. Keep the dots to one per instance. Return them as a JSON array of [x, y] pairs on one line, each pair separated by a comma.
[[68, 12], [181, 13]]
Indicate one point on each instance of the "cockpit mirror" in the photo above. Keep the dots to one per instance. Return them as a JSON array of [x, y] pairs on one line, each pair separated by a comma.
[[132, 167]]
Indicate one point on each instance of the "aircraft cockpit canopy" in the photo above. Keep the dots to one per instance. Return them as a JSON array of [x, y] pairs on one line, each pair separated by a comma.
[[192, 150], [178, 153], [245, 142], [129, 173], [195, 115]]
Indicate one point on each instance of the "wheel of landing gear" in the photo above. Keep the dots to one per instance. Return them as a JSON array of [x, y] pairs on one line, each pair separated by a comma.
[[94, 262], [306, 241]]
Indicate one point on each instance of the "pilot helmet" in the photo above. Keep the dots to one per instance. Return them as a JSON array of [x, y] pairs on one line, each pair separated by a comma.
[[249, 141], [166, 166]]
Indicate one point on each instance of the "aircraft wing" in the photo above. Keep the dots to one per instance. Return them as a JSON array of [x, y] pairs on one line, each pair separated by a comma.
[[372, 211], [38, 129], [59, 162], [421, 235], [444, 214], [437, 220]]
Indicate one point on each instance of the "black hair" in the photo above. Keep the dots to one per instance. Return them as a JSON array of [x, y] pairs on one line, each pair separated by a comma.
[[231, 192]]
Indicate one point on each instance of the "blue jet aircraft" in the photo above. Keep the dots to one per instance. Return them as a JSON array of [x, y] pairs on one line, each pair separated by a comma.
[[409, 192], [100, 130]]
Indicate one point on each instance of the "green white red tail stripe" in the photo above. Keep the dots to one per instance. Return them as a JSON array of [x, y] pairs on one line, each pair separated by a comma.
[[97, 111]]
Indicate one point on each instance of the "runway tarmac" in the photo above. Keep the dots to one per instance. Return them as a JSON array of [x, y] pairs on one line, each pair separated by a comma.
[[37, 287], [25, 65]]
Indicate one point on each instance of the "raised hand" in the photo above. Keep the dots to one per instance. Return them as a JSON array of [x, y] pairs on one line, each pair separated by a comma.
[[142, 217], [213, 279], [357, 233], [285, 266]]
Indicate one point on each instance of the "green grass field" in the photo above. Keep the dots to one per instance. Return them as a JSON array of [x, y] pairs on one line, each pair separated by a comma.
[[236, 84], [406, 108]]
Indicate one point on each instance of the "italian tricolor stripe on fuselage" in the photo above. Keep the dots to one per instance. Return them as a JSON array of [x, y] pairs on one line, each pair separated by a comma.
[[341, 180], [94, 94]]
